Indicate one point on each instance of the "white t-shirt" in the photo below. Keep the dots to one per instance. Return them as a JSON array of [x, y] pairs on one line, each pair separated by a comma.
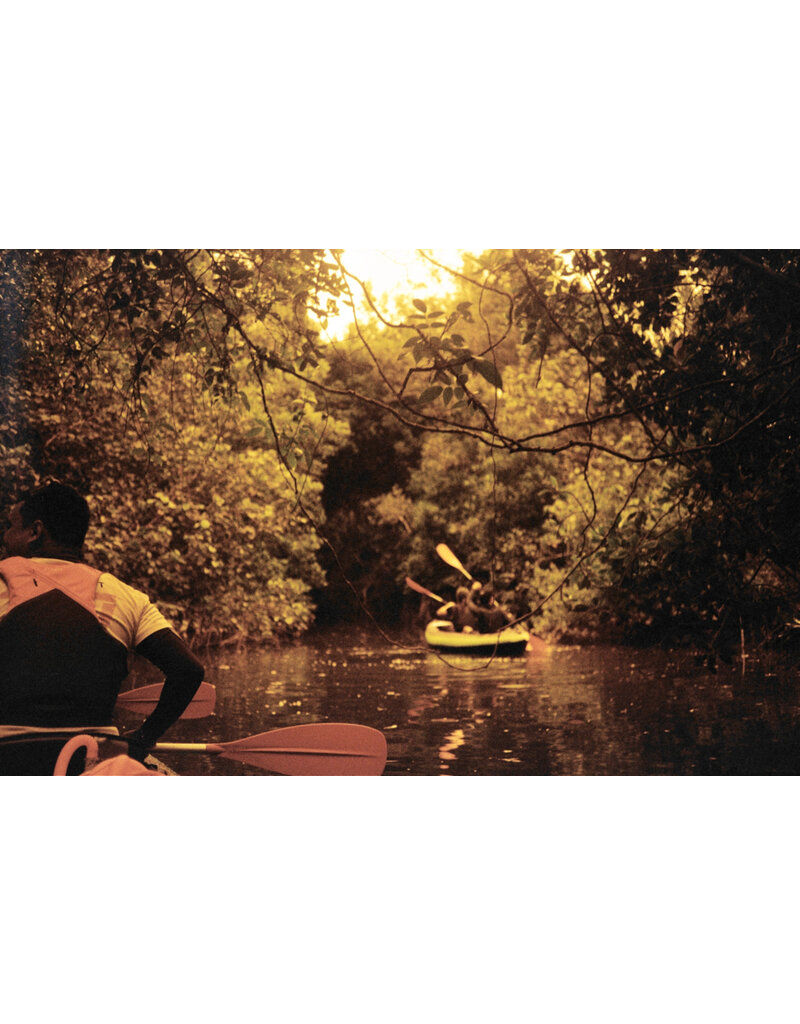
[[126, 613]]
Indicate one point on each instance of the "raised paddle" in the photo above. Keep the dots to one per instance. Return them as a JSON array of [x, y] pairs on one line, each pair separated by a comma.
[[446, 555], [421, 590], [325, 748], [143, 699]]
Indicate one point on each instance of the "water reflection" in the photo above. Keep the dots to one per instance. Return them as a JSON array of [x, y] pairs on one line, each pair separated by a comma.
[[559, 711]]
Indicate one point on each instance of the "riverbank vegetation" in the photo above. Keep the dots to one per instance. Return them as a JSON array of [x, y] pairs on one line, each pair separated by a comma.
[[610, 436]]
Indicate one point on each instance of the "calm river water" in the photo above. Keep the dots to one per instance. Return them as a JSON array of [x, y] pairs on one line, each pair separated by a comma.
[[554, 711]]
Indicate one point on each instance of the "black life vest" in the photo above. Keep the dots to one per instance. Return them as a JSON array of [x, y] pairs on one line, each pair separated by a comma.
[[58, 665]]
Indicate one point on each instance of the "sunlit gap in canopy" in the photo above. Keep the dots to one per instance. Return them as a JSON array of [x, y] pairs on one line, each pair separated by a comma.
[[392, 275]]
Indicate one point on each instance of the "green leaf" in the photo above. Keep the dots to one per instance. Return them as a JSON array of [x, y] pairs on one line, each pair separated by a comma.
[[489, 371], [420, 305], [429, 395]]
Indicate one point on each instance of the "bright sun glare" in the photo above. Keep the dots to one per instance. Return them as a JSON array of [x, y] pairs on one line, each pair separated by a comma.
[[392, 274]]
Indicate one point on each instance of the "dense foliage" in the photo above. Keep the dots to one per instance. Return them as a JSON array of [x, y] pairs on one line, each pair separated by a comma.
[[608, 435], [191, 500]]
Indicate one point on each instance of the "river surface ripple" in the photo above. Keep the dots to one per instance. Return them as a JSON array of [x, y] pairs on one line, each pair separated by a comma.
[[555, 711]]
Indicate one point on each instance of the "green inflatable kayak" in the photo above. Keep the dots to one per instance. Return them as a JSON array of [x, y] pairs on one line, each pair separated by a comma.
[[440, 635]]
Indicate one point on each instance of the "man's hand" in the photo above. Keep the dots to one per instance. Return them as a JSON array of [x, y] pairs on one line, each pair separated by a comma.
[[137, 747]]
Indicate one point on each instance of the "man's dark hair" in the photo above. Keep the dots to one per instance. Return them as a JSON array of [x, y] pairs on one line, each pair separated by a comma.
[[64, 513]]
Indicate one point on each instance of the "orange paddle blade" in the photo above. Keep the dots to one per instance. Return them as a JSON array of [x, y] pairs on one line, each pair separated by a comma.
[[446, 555], [421, 590], [325, 748]]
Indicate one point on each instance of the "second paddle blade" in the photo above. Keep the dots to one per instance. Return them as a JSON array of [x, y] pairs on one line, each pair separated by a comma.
[[325, 748], [143, 699]]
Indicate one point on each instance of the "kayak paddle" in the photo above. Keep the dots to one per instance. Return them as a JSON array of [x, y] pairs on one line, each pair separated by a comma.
[[446, 555], [421, 590], [143, 699], [324, 748]]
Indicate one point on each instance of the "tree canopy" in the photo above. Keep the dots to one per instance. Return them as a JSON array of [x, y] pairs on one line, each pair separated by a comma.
[[609, 435]]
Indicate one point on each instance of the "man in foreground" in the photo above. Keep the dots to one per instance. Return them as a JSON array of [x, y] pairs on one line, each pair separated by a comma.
[[65, 633]]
